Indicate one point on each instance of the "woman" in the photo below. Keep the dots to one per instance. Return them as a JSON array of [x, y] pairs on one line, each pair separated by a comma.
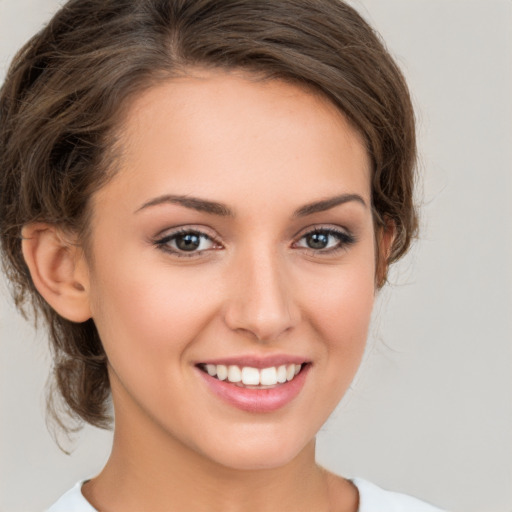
[[202, 199]]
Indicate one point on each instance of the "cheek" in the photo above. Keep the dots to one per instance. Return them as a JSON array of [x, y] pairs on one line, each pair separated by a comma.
[[147, 311], [340, 312], [344, 300]]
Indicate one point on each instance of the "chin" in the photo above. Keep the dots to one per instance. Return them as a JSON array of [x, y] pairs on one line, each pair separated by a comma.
[[262, 451]]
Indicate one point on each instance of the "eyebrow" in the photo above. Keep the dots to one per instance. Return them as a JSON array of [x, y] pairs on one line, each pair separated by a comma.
[[327, 204], [214, 208], [194, 203]]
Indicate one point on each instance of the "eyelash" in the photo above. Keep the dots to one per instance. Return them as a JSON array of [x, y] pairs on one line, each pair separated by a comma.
[[345, 240]]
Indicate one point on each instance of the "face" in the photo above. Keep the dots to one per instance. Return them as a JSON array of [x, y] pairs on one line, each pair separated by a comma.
[[235, 242]]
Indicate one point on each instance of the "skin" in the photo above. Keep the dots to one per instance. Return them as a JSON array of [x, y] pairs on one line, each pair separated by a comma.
[[264, 149]]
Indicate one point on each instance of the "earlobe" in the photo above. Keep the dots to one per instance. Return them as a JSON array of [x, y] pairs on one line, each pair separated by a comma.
[[58, 270]]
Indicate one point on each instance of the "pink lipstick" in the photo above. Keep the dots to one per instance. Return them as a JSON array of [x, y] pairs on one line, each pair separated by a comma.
[[254, 384]]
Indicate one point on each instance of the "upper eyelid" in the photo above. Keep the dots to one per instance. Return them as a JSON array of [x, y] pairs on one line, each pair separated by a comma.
[[321, 227], [203, 230], [186, 228]]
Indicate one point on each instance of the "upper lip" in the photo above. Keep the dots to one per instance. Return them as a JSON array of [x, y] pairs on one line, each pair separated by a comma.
[[255, 361]]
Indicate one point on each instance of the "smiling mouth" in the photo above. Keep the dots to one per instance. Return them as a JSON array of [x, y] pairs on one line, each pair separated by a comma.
[[250, 377]]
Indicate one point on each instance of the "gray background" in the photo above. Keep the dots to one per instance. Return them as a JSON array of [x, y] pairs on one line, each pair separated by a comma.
[[430, 413]]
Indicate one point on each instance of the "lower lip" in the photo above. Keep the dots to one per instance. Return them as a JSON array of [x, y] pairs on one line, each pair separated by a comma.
[[257, 400]]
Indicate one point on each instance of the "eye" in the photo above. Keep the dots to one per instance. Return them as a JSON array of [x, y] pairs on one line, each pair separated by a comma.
[[186, 242], [325, 240]]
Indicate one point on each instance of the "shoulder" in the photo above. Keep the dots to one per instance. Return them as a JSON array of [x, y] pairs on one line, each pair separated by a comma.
[[72, 501], [374, 499]]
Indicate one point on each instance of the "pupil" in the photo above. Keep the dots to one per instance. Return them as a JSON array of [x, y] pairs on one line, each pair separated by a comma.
[[318, 240], [188, 242]]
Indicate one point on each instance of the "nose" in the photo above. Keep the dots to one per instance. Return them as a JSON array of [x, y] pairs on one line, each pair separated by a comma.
[[261, 301]]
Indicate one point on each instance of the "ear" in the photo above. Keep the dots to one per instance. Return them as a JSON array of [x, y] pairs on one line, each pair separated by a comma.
[[58, 270], [384, 239]]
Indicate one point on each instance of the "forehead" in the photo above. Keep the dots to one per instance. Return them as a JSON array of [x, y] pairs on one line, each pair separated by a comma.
[[214, 132]]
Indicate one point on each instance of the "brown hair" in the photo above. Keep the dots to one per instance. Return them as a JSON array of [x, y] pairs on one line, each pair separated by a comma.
[[66, 87]]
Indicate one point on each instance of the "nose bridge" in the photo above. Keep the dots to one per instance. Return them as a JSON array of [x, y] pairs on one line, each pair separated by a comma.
[[262, 300]]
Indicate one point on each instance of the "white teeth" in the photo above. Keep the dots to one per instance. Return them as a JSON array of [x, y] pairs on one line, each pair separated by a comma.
[[250, 376], [222, 372], [234, 374], [268, 376], [281, 374]]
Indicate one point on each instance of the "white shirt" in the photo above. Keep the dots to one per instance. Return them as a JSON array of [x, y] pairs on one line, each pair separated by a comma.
[[371, 499]]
